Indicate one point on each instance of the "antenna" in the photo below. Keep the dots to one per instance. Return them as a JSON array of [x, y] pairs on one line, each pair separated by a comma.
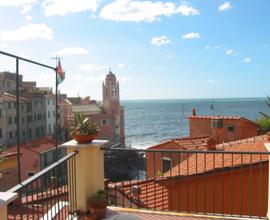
[[212, 107], [182, 121]]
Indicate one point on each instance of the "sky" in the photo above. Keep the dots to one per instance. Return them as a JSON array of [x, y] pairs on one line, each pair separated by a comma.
[[157, 49]]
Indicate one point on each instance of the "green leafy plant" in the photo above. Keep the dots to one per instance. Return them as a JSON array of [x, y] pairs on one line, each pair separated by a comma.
[[83, 126], [264, 120], [98, 199]]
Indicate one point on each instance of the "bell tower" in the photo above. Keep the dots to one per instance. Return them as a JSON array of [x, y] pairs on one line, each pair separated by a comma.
[[111, 99]]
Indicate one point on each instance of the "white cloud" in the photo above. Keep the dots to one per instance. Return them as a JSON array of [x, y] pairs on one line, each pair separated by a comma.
[[93, 67], [225, 6], [192, 35], [211, 81], [28, 32], [121, 65], [138, 11], [207, 48], [29, 18], [70, 51], [77, 77], [187, 10], [95, 79], [230, 52], [26, 5], [64, 7], [246, 60], [125, 79], [159, 41]]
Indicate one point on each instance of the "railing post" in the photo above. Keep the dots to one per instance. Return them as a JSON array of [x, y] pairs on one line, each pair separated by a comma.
[[5, 199], [88, 172], [267, 146]]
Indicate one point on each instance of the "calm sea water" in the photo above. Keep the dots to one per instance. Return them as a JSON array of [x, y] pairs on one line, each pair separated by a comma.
[[149, 122]]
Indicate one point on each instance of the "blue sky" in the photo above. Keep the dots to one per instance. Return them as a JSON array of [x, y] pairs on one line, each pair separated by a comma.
[[157, 49]]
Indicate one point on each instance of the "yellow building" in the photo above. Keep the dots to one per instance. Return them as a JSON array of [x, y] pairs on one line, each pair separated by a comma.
[[8, 171]]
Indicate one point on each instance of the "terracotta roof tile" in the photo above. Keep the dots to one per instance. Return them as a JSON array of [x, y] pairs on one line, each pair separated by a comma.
[[186, 143], [199, 163], [38, 145], [152, 194]]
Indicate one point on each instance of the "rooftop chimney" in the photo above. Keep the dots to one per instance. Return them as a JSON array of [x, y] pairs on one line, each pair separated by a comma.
[[194, 112], [211, 144]]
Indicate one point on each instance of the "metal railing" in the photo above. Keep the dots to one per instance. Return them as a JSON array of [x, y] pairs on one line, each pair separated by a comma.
[[208, 182], [49, 194]]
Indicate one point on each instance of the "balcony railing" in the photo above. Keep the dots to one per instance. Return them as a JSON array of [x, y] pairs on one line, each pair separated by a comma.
[[47, 194], [208, 182]]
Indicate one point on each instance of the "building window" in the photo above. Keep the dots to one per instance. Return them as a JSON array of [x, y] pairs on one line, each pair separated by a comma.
[[104, 122], [30, 173], [1, 135], [29, 118], [49, 114], [0, 112], [9, 105], [42, 131], [9, 120], [29, 107], [166, 164], [37, 132], [114, 91], [48, 102], [10, 134], [35, 117], [50, 130], [231, 129], [15, 119], [22, 119], [29, 133], [23, 133]]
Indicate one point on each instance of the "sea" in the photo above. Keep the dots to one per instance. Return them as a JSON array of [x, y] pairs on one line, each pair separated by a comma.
[[149, 122]]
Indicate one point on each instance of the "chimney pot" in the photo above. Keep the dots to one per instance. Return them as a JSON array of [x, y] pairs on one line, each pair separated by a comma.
[[194, 112]]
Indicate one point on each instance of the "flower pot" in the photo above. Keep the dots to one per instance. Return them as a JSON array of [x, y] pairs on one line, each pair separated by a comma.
[[84, 138]]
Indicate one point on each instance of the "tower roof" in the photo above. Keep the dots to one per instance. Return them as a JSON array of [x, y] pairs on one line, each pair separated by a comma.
[[110, 74]]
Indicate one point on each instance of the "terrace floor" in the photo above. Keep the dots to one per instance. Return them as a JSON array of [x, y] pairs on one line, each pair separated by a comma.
[[155, 215]]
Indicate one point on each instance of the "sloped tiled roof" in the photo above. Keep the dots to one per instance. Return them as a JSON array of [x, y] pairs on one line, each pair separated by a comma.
[[183, 144], [153, 195], [204, 162], [38, 145], [10, 97]]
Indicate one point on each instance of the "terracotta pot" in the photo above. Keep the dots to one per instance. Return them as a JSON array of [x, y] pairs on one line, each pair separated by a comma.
[[84, 138], [99, 212]]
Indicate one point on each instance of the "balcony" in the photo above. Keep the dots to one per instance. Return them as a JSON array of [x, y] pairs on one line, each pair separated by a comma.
[[225, 183]]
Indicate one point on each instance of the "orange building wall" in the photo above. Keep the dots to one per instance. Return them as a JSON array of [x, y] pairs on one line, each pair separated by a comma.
[[210, 199], [242, 129], [8, 170], [199, 127], [30, 161]]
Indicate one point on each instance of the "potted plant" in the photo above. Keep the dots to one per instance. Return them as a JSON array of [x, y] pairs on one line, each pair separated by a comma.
[[83, 131], [97, 204]]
